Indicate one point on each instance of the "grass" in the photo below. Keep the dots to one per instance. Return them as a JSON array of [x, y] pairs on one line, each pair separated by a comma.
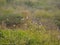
[[29, 37], [44, 11]]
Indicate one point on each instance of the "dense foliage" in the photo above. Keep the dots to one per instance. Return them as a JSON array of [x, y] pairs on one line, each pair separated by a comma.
[[28, 37], [29, 22]]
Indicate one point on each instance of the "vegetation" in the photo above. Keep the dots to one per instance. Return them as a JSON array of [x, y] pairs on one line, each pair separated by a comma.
[[29, 22], [28, 37]]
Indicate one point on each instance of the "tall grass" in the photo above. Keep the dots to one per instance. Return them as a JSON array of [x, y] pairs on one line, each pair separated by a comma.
[[29, 37]]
